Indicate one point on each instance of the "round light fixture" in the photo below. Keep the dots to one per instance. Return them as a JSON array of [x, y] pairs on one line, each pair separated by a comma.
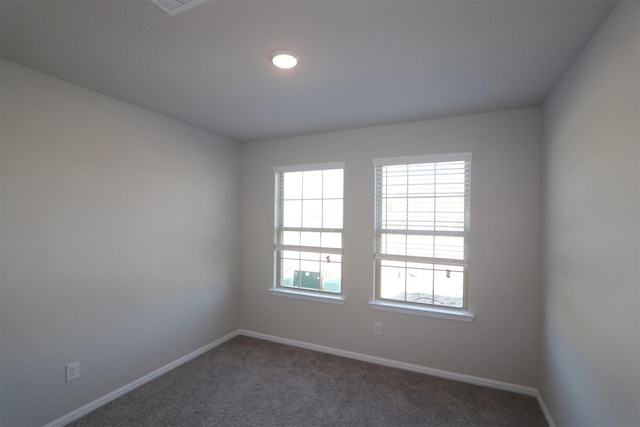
[[284, 59]]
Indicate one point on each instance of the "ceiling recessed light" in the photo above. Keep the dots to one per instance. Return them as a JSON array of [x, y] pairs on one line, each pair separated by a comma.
[[284, 59]]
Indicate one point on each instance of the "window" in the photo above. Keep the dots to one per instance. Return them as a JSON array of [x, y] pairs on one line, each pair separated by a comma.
[[422, 231], [308, 228]]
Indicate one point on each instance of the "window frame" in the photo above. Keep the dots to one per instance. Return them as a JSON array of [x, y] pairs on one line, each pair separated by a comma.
[[412, 307], [278, 289]]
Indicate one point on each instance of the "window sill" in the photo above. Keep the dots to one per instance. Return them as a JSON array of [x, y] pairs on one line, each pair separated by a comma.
[[308, 296], [438, 313]]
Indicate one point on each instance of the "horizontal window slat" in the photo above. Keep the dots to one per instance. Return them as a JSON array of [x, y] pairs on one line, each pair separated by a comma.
[[415, 232], [312, 230], [426, 260], [308, 249]]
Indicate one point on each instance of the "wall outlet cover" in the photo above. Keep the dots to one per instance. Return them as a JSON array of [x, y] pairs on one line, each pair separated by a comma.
[[73, 371]]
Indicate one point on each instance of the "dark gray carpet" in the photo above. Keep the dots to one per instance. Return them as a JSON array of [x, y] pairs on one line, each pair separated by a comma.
[[251, 382]]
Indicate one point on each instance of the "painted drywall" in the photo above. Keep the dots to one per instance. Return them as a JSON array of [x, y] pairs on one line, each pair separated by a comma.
[[119, 230], [501, 343], [590, 360]]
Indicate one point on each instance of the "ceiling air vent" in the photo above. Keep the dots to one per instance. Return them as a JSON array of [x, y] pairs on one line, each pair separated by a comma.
[[173, 7]]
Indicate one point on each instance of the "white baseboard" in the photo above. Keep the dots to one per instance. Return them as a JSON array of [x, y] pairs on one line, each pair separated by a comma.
[[500, 385], [545, 410], [530, 391], [92, 406]]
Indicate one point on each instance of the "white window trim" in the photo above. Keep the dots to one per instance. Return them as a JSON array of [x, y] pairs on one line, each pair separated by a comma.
[[447, 313], [308, 167], [425, 311], [301, 294], [308, 295], [429, 158]]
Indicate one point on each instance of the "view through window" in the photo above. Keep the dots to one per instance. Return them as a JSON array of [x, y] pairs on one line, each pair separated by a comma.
[[308, 227], [422, 230]]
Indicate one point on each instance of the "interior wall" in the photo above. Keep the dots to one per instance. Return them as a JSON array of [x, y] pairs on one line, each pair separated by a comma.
[[501, 343], [590, 361], [119, 243]]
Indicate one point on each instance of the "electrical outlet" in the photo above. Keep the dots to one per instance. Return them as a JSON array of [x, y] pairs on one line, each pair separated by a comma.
[[73, 371], [377, 328]]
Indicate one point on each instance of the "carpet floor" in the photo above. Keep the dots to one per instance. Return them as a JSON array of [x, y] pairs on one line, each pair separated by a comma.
[[252, 382]]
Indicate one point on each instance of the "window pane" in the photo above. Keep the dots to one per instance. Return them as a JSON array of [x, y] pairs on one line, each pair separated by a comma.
[[334, 259], [421, 215], [419, 245], [313, 266], [331, 240], [310, 256], [450, 213], [394, 181], [291, 238], [449, 285], [422, 180], [394, 214], [332, 213], [310, 267], [394, 244], [292, 215], [312, 213], [332, 184], [449, 247], [420, 283], [308, 279], [448, 188], [312, 184], [292, 185], [450, 178], [291, 254], [309, 238], [331, 272], [289, 264], [392, 280]]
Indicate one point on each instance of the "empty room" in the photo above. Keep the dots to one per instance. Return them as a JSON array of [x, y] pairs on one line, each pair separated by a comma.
[[320, 212]]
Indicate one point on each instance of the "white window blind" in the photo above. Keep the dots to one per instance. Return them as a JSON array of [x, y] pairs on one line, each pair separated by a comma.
[[422, 229], [308, 227]]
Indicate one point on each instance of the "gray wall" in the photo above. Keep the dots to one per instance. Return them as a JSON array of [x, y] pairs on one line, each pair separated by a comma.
[[118, 243], [502, 341], [591, 354]]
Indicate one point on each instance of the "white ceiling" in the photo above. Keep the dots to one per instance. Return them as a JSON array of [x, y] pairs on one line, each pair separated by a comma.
[[364, 62]]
